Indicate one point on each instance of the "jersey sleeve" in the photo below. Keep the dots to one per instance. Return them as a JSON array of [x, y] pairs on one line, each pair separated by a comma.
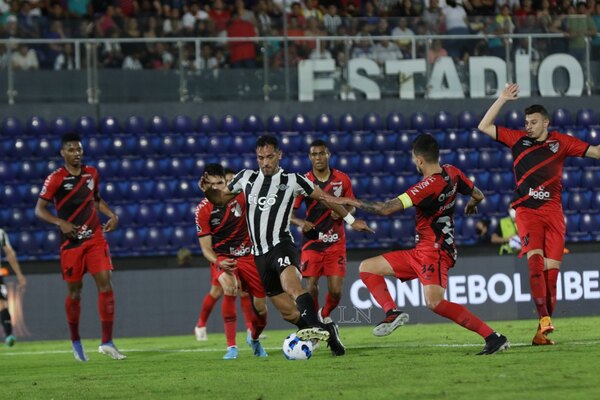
[[463, 184], [508, 137], [348, 192], [298, 202], [96, 176], [203, 218], [237, 183], [51, 185], [418, 192], [575, 147], [304, 186]]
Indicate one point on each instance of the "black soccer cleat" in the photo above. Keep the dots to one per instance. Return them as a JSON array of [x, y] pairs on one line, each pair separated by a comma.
[[495, 343], [334, 343]]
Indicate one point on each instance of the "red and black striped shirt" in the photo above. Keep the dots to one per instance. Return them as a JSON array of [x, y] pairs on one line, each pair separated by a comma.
[[226, 224], [538, 166], [75, 198]]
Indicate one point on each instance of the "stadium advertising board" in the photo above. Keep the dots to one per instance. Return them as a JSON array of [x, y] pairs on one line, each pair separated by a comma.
[[444, 81]]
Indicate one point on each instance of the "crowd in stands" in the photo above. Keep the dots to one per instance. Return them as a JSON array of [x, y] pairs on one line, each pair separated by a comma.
[[400, 19]]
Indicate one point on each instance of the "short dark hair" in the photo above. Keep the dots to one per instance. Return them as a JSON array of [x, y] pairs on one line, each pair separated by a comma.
[[267, 140], [228, 171], [427, 147], [318, 143], [214, 170], [485, 222], [69, 137], [536, 108]]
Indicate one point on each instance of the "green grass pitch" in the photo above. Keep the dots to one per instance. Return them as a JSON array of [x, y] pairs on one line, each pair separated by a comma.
[[434, 361]]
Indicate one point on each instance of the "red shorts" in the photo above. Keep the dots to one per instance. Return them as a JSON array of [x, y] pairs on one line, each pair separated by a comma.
[[247, 274], [91, 256], [429, 266], [214, 275], [540, 230], [330, 262]]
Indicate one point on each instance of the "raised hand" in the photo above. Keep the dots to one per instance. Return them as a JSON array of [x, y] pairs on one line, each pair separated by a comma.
[[510, 92], [361, 226]]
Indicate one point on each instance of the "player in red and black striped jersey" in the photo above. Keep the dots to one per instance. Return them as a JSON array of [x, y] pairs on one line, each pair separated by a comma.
[[225, 243], [435, 252], [324, 237], [74, 190], [538, 159]]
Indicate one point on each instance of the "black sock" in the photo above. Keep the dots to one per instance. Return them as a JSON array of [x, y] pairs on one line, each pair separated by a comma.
[[306, 306], [301, 323], [6, 323]]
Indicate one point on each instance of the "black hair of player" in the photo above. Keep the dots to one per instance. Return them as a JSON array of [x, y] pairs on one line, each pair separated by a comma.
[[536, 108], [229, 171], [427, 147], [267, 140], [69, 137], [319, 143], [214, 170]]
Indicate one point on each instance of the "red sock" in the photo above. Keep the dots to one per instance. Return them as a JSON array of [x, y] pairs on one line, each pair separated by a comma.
[[378, 288], [73, 310], [229, 318], [258, 325], [465, 318], [247, 310], [551, 277], [106, 309], [537, 283], [330, 303], [207, 305]]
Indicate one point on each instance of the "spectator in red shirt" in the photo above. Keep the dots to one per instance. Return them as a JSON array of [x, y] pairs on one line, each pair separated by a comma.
[[241, 54], [220, 15]]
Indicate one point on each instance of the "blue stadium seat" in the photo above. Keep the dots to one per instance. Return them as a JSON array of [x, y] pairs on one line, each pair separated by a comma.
[[372, 122], [60, 125], [301, 123], [206, 124], [502, 181], [125, 216], [506, 160], [561, 117], [405, 140], [457, 139], [163, 190], [131, 191], [395, 122], [8, 172], [185, 190], [482, 180], [109, 192], [586, 117], [48, 148], [362, 141], [158, 238], [571, 178], [171, 144], [572, 220], [478, 140], [325, 123], [420, 121], [85, 126], [466, 160], [179, 166], [380, 185], [11, 127], [145, 215], [514, 119], [114, 239], [443, 120], [306, 140], [25, 243], [171, 214], [385, 141], [403, 230], [147, 145], [36, 126], [371, 163], [382, 229], [300, 164], [218, 143], [290, 142], [590, 223], [29, 171], [439, 136], [401, 183], [339, 142], [349, 123], [253, 123], [182, 124], [134, 239], [50, 241], [467, 120], [490, 204], [447, 157], [109, 126], [579, 201], [276, 124], [489, 160], [230, 124], [121, 145], [135, 125], [348, 163], [97, 146], [23, 148], [395, 163], [158, 124]]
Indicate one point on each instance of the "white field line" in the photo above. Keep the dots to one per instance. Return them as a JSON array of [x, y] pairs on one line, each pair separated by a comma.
[[246, 348]]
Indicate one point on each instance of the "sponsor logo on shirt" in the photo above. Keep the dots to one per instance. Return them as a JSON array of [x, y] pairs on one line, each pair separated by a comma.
[[215, 221], [527, 143], [84, 232], [263, 202], [540, 193], [240, 251], [328, 237], [68, 186]]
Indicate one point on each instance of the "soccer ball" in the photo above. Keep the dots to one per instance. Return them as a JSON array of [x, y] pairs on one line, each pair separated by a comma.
[[515, 243], [296, 349]]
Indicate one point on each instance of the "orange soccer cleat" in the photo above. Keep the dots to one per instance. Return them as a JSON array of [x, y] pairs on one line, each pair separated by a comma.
[[546, 326], [541, 340]]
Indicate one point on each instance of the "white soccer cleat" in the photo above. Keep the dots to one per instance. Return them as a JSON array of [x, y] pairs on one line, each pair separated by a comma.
[[324, 320], [111, 350], [393, 320], [200, 332]]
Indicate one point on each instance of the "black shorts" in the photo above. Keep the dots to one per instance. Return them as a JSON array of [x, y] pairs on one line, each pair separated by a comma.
[[3, 289], [271, 264]]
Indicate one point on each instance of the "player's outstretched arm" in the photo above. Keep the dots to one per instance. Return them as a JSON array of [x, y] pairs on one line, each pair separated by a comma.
[[332, 203], [477, 197], [302, 223], [593, 152], [113, 219], [380, 207], [216, 196], [510, 92], [42, 212], [11, 257]]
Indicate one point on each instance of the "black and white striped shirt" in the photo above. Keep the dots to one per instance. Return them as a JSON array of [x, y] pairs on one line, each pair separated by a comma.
[[269, 205]]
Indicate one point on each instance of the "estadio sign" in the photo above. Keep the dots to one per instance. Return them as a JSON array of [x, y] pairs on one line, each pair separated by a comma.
[[444, 82]]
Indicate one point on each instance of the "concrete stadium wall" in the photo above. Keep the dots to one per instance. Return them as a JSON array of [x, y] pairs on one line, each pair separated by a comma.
[[167, 301]]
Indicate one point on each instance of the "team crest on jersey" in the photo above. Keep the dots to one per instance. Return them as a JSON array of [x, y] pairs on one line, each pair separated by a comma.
[[282, 187], [90, 184], [553, 146], [236, 209], [337, 190]]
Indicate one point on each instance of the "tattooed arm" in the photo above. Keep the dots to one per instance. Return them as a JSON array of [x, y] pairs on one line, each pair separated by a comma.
[[380, 207], [476, 198]]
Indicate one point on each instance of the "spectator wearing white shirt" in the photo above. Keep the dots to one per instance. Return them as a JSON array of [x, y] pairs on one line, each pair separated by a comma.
[[386, 50], [25, 59]]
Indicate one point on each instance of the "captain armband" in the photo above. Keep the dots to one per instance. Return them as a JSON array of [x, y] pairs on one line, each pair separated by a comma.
[[406, 201]]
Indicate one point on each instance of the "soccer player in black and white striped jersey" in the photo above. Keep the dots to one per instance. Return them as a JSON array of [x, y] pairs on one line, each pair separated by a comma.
[[270, 194]]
